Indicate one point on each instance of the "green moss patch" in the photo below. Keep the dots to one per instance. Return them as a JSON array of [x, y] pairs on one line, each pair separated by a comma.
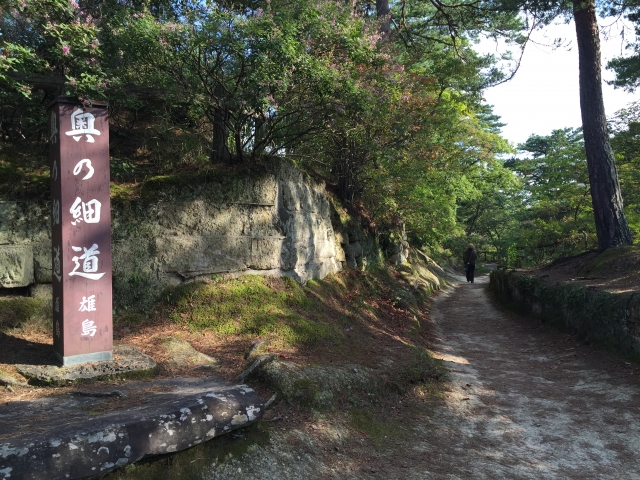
[[252, 306]]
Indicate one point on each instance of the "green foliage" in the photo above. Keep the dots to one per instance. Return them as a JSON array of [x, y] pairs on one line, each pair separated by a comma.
[[261, 77], [541, 213], [488, 212], [512, 256], [626, 144], [395, 125], [627, 68], [45, 37], [558, 217]]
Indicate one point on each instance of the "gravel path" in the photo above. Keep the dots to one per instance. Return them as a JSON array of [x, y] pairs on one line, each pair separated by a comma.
[[526, 400]]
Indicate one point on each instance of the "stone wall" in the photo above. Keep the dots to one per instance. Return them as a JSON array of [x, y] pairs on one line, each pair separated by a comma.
[[277, 221], [609, 319]]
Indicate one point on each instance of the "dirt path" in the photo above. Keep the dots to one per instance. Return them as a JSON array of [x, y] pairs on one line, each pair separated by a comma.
[[525, 402], [528, 401]]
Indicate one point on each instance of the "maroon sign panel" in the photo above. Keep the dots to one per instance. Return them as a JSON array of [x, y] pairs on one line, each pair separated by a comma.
[[81, 232]]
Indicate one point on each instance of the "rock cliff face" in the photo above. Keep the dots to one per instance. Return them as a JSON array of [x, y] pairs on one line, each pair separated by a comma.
[[276, 222]]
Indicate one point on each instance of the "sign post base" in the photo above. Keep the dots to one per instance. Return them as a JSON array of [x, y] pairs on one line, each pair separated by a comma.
[[85, 358]]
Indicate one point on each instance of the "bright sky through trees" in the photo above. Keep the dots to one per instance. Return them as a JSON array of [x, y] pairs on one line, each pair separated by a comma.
[[543, 95]]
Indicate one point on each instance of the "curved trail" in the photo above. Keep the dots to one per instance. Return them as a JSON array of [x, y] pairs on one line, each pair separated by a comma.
[[527, 401]]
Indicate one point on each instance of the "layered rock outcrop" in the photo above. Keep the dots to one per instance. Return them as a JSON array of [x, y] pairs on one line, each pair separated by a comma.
[[277, 221]]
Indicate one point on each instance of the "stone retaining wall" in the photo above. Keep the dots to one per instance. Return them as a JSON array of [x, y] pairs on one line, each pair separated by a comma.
[[609, 319], [277, 221]]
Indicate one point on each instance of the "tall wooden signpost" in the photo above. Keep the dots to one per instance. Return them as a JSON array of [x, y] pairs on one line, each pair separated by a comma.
[[81, 232]]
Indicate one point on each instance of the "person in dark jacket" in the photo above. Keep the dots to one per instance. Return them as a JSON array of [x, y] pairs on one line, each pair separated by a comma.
[[469, 258]]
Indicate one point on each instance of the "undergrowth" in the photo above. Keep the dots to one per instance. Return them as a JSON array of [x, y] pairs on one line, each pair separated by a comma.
[[31, 313]]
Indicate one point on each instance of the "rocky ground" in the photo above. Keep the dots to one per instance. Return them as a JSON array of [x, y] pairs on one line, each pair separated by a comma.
[[522, 401]]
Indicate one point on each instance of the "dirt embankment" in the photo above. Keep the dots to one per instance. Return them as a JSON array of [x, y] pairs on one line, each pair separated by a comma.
[[616, 270], [523, 401]]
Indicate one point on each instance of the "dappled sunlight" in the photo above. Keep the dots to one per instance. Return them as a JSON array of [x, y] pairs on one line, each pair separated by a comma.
[[450, 358]]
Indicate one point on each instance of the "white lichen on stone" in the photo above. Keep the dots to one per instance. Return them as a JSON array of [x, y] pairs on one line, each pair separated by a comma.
[[103, 448], [172, 448], [217, 397], [72, 447], [239, 419], [211, 433], [102, 437], [251, 411], [6, 450]]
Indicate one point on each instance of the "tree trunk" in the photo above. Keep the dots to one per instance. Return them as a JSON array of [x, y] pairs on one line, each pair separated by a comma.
[[382, 11], [219, 150], [611, 223]]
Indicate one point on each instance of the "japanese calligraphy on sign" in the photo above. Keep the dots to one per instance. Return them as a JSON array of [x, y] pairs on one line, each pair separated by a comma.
[[89, 264], [88, 304], [89, 211], [89, 328], [78, 168], [55, 211], [56, 263], [53, 137], [81, 232], [82, 123]]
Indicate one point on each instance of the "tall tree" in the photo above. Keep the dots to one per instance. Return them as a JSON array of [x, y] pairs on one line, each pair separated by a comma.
[[611, 224]]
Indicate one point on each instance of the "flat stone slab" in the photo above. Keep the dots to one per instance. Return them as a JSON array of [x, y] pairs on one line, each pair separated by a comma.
[[63, 437], [127, 362]]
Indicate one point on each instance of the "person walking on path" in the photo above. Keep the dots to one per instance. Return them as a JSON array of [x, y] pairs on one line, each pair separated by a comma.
[[469, 258]]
